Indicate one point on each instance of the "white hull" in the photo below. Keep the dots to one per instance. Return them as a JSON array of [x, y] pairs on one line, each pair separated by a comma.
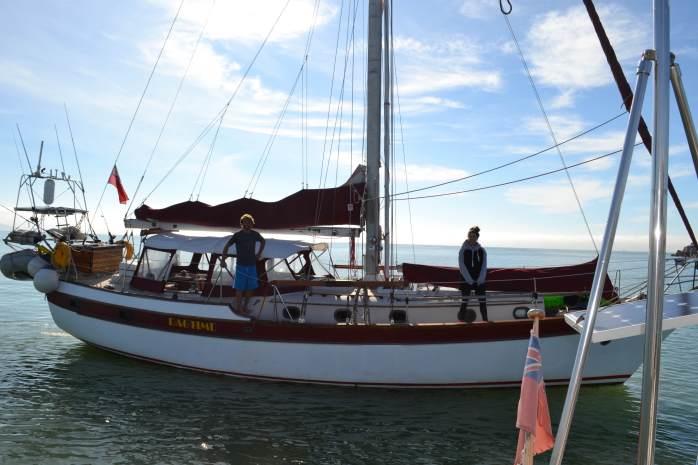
[[460, 364]]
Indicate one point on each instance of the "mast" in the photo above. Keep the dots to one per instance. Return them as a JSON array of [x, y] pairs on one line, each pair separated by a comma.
[[387, 132], [373, 135]]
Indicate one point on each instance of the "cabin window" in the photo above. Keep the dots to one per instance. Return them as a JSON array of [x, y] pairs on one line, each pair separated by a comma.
[[223, 277], [155, 264], [277, 269], [153, 269], [300, 266]]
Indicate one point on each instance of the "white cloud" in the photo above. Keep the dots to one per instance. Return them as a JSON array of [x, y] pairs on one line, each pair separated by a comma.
[[557, 196], [600, 165], [564, 51], [678, 149], [476, 9], [452, 63], [428, 173], [564, 100], [251, 21], [638, 180], [566, 126], [681, 171]]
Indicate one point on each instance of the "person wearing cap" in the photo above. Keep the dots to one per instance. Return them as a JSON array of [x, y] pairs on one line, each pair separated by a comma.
[[245, 242], [472, 261]]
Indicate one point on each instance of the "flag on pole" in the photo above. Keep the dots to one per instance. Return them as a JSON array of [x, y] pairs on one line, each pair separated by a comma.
[[533, 416], [115, 181]]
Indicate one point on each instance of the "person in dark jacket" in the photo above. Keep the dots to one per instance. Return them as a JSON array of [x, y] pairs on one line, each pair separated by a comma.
[[472, 261]]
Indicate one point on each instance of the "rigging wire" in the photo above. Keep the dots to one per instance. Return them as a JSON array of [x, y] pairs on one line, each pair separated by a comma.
[[513, 162], [329, 104], [172, 105], [338, 113], [207, 162], [222, 112], [300, 76], [31, 186], [19, 155], [339, 118], [220, 122], [270, 142], [527, 178], [24, 147], [404, 165], [77, 163], [550, 129], [140, 101], [305, 152], [60, 152]]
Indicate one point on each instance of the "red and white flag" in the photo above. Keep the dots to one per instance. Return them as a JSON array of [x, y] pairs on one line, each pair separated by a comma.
[[115, 181], [533, 416]]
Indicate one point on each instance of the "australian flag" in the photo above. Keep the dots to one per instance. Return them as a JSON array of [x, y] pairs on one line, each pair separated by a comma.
[[533, 415]]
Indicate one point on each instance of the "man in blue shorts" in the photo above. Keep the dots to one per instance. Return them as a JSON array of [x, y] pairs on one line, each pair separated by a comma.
[[245, 242]]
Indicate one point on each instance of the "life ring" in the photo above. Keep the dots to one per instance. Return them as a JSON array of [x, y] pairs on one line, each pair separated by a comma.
[[128, 252], [61, 255]]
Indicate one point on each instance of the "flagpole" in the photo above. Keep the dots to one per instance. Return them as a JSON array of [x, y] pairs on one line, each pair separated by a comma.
[[528, 450]]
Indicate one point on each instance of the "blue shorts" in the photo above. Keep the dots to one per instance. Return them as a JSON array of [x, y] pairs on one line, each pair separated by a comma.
[[245, 278]]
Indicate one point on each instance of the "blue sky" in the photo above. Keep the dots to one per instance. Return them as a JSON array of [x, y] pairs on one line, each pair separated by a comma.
[[465, 105]]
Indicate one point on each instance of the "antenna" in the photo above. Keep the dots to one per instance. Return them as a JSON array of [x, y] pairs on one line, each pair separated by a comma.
[[38, 165]]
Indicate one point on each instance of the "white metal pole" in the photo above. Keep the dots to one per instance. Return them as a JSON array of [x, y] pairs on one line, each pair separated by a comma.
[[685, 111], [655, 277], [563, 429]]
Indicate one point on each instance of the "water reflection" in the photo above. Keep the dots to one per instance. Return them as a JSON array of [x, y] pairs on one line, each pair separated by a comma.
[[94, 406]]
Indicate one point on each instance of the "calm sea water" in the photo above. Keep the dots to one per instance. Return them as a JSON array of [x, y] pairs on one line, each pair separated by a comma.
[[62, 402]]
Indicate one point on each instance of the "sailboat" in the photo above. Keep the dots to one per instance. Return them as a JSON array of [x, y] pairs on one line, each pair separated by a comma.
[[173, 304]]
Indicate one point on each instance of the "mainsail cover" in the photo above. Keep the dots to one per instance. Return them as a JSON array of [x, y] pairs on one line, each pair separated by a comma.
[[571, 278], [306, 208]]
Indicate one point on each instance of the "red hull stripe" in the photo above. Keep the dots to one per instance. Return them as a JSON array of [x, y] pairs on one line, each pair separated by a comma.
[[609, 379], [307, 333]]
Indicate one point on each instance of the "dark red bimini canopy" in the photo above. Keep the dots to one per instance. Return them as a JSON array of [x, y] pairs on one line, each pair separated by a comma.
[[572, 278], [308, 207]]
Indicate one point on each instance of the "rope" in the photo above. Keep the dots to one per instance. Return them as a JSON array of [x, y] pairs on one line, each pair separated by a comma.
[[140, 101], [169, 111], [528, 178], [552, 133]]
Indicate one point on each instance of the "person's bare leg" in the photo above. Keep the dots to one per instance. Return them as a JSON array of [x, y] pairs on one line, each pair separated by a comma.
[[238, 301], [248, 294]]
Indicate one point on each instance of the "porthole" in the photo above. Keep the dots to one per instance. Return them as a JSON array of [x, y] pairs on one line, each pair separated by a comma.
[[342, 315], [520, 313], [291, 313]]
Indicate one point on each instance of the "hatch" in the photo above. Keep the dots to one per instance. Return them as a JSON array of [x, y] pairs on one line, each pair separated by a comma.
[[628, 319]]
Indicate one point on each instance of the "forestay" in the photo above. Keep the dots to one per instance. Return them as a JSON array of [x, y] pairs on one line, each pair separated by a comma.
[[274, 248], [628, 319]]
